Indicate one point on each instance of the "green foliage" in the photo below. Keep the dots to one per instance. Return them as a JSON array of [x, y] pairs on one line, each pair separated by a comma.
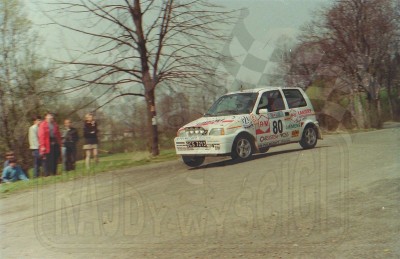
[[384, 97], [108, 163], [314, 92], [135, 144]]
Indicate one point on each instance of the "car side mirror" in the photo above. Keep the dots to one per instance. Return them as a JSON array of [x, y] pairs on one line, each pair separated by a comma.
[[263, 111]]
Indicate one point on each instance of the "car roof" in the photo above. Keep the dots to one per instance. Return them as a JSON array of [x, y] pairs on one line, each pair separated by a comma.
[[260, 89]]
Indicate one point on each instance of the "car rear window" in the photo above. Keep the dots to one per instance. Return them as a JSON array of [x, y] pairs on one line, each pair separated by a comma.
[[294, 98]]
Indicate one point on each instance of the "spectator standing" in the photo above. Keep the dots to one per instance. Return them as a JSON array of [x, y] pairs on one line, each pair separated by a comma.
[[49, 144], [13, 172], [69, 139], [34, 145], [90, 134]]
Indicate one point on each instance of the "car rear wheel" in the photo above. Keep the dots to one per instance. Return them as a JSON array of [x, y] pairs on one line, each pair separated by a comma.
[[309, 137], [193, 161], [242, 148]]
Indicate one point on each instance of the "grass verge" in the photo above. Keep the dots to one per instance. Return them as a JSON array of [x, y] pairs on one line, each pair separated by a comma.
[[107, 163]]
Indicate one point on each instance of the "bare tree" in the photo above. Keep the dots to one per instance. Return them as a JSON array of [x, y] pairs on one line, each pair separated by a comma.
[[300, 65], [140, 45], [355, 38]]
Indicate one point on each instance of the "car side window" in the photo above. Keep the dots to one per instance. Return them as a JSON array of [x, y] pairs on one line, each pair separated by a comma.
[[294, 98], [271, 100]]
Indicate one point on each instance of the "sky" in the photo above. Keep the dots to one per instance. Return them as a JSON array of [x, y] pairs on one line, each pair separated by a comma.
[[267, 19], [255, 35], [265, 22]]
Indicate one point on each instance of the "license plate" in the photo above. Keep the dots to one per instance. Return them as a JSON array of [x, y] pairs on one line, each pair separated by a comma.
[[192, 144]]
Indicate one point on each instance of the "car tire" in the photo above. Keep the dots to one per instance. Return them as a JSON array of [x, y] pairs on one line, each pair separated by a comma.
[[242, 148], [309, 137], [263, 149], [193, 161]]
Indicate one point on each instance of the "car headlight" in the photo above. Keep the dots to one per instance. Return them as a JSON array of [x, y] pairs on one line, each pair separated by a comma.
[[181, 133], [217, 132]]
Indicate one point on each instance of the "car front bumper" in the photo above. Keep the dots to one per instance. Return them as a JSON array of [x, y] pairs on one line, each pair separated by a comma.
[[215, 145]]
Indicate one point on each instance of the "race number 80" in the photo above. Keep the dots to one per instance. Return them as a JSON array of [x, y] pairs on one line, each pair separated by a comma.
[[277, 127]]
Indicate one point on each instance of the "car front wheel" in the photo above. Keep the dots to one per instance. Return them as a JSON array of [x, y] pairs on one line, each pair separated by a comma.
[[242, 148], [193, 161], [309, 138]]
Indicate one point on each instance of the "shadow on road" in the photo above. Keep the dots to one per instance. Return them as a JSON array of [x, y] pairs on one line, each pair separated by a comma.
[[230, 162]]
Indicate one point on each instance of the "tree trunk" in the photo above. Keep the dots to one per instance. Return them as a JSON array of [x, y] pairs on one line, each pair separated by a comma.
[[391, 108], [152, 123], [379, 112], [353, 113], [396, 107], [148, 82], [368, 110], [393, 105], [375, 118], [359, 111]]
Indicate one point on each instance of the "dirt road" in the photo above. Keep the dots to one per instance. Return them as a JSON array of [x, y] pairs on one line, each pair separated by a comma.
[[339, 200]]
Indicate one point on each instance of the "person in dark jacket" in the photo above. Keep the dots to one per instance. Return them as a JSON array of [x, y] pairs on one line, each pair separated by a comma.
[[90, 134], [70, 137]]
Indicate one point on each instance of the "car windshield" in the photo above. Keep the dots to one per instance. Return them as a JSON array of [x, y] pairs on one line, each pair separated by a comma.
[[231, 104]]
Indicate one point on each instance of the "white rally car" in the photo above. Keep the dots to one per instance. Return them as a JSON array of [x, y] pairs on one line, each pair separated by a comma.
[[245, 122]]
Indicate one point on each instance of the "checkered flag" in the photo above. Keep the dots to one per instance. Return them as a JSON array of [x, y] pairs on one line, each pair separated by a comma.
[[251, 58], [250, 62]]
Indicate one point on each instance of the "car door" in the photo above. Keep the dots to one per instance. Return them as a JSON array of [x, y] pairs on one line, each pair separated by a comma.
[[298, 109], [270, 129]]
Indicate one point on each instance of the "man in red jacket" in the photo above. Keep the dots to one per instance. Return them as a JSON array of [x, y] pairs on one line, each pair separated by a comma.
[[49, 144]]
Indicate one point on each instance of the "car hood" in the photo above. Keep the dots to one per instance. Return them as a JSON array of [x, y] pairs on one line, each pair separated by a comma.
[[220, 122]]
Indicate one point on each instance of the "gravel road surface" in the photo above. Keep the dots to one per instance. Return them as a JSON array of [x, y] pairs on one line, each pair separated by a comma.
[[339, 200]]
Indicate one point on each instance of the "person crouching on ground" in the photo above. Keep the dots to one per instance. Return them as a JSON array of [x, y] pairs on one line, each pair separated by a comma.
[[49, 144], [91, 141], [13, 172], [8, 156]]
